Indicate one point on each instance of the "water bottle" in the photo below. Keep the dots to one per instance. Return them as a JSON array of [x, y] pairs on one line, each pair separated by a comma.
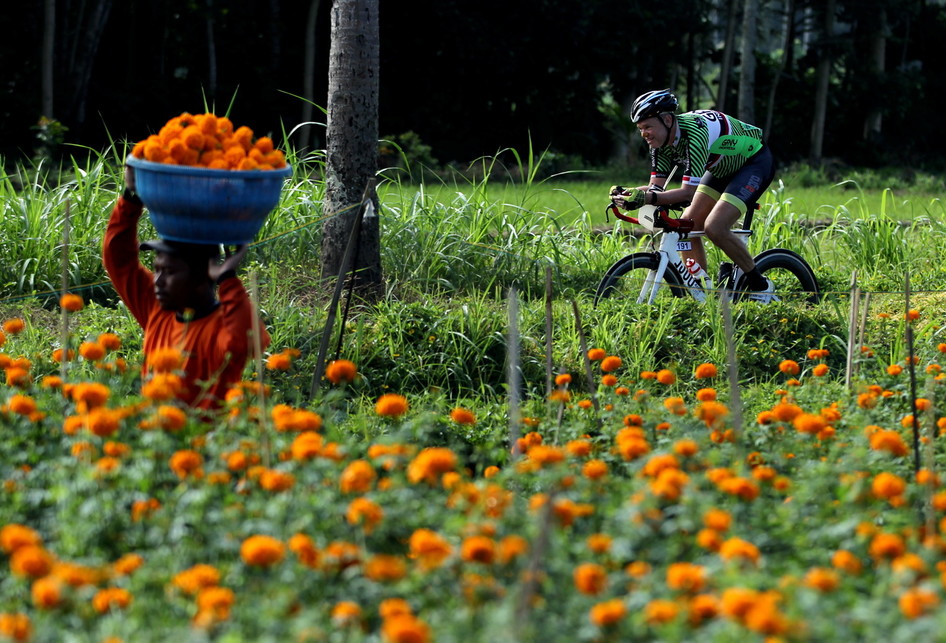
[[695, 269]]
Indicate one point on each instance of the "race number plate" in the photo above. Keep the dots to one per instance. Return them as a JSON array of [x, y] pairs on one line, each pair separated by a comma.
[[683, 246]]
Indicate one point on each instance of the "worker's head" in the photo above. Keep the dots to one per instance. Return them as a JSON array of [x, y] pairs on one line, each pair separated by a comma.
[[653, 113], [181, 278]]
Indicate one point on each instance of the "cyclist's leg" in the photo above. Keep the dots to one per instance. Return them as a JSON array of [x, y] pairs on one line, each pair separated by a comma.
[[698, 210], [736, 194]]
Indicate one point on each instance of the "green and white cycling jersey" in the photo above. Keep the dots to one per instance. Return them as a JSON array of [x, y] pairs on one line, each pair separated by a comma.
[[706, 141]]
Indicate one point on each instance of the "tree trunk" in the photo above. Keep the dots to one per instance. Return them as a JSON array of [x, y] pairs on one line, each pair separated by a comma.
[[308, 78], [822, 83], [85, 38], [49, 53], [787, 45], [875, 58], [750, 19], [211, 53], [729, 50], [352, 137]]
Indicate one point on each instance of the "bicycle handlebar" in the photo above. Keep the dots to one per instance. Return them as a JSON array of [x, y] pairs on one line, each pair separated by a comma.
[[664, 222]]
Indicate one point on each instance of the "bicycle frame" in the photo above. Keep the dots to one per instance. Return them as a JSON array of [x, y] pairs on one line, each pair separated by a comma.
[[675, 237]]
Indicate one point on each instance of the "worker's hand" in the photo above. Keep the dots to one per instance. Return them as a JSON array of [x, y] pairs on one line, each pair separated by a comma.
[[130, 179], [231, 261], [627, 198]]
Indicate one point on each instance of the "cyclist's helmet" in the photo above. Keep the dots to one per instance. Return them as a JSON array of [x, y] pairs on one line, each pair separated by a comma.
[[653, 103]]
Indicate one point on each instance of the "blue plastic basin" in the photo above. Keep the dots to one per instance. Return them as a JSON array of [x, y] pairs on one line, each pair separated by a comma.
[[200, 205]]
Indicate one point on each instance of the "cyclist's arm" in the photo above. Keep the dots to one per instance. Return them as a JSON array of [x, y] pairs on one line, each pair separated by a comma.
[[677, 195]]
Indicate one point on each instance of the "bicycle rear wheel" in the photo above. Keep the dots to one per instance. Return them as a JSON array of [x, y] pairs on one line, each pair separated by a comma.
[[793, 278], [627, 277]]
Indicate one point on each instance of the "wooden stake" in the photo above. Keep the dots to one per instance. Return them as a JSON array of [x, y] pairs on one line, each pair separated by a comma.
[[512, 359], [258, 353], [589, 377], [64, 314], [548, 332], [851, 331], [732, 368], [345, 268]]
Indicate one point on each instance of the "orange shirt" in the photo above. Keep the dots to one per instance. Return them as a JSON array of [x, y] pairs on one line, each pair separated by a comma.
[[215, 347]]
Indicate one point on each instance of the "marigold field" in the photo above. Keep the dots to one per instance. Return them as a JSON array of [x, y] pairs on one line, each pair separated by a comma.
[[655, 507]]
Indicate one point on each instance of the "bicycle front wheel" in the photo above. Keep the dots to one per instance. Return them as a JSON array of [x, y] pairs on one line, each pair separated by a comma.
[[632, 278], [793, 278]]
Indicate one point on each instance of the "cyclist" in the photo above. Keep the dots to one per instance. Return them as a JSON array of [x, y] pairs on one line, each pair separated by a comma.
[[726, 168]]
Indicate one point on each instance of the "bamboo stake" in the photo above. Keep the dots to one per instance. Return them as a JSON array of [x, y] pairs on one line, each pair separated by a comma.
[[64, 314], [732, 368], [548, 331], [258, 355], [851, 331], [337, 294], [512, 358], [911, 369], [862, 326], [589, 377]]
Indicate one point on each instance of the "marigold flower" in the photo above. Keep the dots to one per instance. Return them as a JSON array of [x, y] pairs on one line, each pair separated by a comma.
[[46, 592], [675, 405], [14, 326], [822, 579], [789, 367], [597, 354], [279, 362], [889, 441], [405, 628], [358, 477], [660, 610], [111, 598], [165, 360], [511, 547], [428, 548], [262, 551], [196, 578], [917, 601], [364, 512], [305, 550], [608, 613], [888, 485], [712, 413], [594, 469], [186, 462], [18, 376], [478, 549], [274, 480], [846, 561], [306, 445], [430, 464], [385, 568], [13, 536], [171, 418], [611, 363], [666, 376], [609, 380], [735, 548], [590, 578], [391, 405], [886, 546], [809, 423], [16, 627], [686, 577], [91, 351], [71, 303], [214, 604], [463, 416], [717, 519], [705, 371], [820, 370], [22, 404], [31, 560], [894, 369], [741, 487]]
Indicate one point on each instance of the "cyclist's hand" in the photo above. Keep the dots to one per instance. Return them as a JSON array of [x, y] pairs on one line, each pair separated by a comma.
[[629, 198]]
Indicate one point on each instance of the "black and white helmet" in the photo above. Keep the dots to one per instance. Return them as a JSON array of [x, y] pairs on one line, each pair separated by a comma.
[[653, 103]]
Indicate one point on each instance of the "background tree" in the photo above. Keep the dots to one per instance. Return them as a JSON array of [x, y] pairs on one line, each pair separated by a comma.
[[352, 137]]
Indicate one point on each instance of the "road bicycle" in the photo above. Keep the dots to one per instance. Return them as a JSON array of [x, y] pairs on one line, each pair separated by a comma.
[[648, 275]]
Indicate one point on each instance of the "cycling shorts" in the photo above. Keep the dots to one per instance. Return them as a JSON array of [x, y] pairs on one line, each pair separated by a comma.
[[744, 188]]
